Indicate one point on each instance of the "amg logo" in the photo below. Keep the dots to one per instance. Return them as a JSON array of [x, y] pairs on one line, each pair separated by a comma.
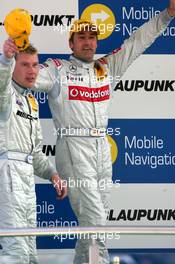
[[27, 116], [142, 214], [49, 150], [147, 85], [52, 20]]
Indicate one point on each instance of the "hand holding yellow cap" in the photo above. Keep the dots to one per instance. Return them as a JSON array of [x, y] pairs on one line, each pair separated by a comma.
[[18, 26]]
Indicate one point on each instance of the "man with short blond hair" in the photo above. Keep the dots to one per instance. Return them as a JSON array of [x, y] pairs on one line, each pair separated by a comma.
[[21, 154]]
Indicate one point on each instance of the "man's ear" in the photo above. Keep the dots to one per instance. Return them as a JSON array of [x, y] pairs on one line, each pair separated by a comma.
[[71, 44]]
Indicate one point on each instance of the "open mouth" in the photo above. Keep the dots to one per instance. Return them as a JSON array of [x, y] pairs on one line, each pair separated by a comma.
[[30, 80]]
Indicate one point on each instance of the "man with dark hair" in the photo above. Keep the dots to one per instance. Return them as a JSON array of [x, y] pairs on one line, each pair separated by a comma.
[[21, 154], [80, 90]]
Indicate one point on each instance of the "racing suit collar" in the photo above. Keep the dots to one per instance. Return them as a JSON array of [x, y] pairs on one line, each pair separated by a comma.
[[81, 63], [21, 89]]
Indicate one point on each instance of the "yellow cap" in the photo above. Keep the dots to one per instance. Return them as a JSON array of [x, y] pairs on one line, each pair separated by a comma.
[[18, 26], [83, 25]]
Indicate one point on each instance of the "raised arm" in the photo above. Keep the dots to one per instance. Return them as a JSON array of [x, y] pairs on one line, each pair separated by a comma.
[[139, 41], [6, 70]]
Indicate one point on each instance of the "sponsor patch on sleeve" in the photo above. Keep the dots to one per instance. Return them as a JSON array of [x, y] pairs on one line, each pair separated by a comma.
[[57, 62], [115, 51], [102, 60]]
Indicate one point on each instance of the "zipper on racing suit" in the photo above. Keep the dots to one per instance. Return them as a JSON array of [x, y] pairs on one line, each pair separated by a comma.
[[31, 130], [90, 85]]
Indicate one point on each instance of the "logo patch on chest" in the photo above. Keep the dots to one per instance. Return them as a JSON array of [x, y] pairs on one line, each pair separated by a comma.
[[19, 102], [32, 102], [89, 94], [26, 116]]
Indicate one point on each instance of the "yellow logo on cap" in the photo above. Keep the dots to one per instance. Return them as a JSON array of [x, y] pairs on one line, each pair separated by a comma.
[[114, 148], [102, 16]]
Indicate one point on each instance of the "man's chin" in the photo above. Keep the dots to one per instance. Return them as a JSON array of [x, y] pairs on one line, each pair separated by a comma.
[[29, 85], [87, 59]]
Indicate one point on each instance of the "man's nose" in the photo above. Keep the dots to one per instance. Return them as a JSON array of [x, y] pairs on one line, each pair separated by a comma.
[[87, 41], [31, 69]]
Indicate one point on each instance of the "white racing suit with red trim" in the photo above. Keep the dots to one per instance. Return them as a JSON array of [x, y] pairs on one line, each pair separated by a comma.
[[20, 158], [79, 98]]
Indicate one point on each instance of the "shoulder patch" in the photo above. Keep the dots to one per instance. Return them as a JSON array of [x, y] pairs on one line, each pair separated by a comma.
[[102, 60], [43, 65], [116, 50], [57, 62]]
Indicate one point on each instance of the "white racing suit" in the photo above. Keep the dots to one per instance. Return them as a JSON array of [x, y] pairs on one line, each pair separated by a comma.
[[20, 158], [79, 98]]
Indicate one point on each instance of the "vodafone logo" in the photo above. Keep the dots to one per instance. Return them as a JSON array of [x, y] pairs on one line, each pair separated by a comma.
[[74, 92], [89, 94]]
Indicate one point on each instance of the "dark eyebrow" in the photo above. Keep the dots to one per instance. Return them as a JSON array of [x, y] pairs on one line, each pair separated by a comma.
[[82, 33]]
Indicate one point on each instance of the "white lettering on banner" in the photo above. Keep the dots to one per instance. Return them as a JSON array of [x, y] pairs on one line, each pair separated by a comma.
[[147, 85], [142, 214], [169, 31], [152, 160], [137, 14], [89, 94], [55, 223], [139, 143], [41, 97], [46, 208], [127, 28]]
